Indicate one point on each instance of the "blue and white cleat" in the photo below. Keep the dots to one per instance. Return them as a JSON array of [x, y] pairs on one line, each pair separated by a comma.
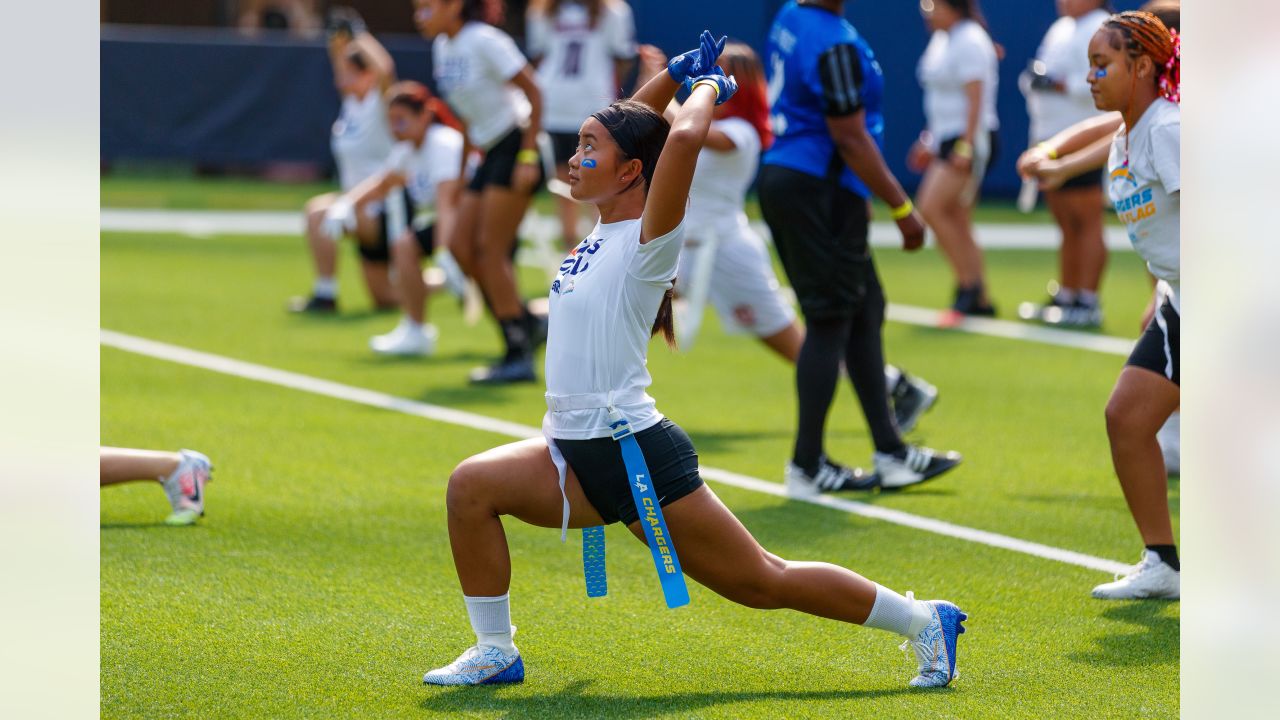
[[935, 646], [479, 665]]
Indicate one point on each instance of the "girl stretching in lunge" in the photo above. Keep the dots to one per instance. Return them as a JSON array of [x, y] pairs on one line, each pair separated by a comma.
[[612, 294]]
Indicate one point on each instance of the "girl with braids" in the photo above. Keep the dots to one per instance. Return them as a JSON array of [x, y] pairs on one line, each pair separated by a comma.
[[583, 49], [426, 161], [490, 86], [636, 169], [1135, 70], [959, 74]]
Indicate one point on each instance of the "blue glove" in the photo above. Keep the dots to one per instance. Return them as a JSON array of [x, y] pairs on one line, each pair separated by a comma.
[[696, 63], [726, 86]]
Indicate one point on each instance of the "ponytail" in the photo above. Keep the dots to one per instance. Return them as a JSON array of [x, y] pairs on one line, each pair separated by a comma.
[[665, 321]]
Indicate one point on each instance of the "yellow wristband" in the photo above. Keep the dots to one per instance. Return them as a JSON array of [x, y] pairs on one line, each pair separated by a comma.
[[1053, 154], [528, 156], [962, 148], [902, 210], [709, 83]]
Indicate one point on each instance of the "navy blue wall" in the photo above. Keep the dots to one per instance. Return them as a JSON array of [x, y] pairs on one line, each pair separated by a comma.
[[212, 97]]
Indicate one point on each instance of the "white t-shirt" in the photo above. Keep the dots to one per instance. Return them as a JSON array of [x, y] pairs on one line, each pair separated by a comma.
[[1065, 54], [602, 306], [576, 74], [473, 70], [1145, 190], [721, 180], [953, 59], [438, 159], [361, 138]]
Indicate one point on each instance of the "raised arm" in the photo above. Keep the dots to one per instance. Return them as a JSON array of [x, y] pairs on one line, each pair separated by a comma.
[[669, 191], [661, 88], [379, 59]]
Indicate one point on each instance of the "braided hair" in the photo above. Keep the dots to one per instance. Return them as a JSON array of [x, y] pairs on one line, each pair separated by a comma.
[[1141, 33]]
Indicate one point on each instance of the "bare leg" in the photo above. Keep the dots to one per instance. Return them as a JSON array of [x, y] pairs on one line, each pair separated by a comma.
[[376, 276], [462, 244], [503, 209], [409, 281], [1069, 255], [518, 479], [1141, 402], [941, 205], [324, 251], [786, 342], [117, 465], [717, 551], [1087, 209]]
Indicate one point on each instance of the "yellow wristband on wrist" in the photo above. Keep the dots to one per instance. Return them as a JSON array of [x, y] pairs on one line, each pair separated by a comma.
[[962, 148], [709, 83], [528, 156], [1049, 151], [902, 210]]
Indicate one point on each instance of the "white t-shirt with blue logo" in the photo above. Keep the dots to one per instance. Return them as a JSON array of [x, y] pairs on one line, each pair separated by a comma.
[[473, 71], [361, 138], [438, 159], [602, 306], [1144, 190]]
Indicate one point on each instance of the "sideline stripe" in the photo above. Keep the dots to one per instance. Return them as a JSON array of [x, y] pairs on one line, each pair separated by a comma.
[[928, 317], [373, 398]]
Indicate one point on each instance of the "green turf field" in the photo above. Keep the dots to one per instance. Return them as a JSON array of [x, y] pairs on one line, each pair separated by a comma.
[[320, 583]]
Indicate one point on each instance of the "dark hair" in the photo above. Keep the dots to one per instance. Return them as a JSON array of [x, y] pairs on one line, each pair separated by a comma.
[[415, 97], [550, 7], [355, 56], [640, 133], [971, 10], [486, 11]]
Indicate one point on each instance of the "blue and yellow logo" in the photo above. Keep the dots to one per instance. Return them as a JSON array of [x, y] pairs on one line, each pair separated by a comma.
[[1132, 204]]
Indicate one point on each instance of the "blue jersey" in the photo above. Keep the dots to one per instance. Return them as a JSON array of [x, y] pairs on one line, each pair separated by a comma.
[[819, 67]]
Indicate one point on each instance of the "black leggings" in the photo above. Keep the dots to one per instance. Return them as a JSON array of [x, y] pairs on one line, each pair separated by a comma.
[[857, 340]]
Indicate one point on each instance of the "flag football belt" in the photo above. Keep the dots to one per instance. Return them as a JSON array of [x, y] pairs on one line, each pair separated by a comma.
[[643, 495]]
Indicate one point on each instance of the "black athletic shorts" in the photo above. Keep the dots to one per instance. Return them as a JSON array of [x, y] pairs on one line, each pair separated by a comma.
[[672, 461], [1086, 179], [380, 251], [820, 230], [564, 145], [1157, 349], [499, 164], [948, 146]]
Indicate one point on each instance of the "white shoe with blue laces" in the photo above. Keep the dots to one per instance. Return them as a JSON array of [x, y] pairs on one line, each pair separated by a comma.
[[479, 665], [935, 646]]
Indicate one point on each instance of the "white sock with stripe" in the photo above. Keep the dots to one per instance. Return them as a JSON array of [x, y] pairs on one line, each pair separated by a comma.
[[491, 619], [898, 614]]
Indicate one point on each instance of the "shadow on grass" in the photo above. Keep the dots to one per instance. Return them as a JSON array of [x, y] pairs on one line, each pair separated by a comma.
[[573, 701], [1155, 642], [158, 524]]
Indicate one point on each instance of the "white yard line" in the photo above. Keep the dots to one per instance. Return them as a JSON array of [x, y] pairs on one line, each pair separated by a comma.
[[372, 398], [543, 230]]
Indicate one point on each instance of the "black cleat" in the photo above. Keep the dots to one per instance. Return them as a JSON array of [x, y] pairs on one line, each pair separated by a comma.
[[314, 305], [912, 397], [508, 371]]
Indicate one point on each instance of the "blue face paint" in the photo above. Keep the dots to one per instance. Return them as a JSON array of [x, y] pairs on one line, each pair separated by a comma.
[[588, 163], [1102, 72]]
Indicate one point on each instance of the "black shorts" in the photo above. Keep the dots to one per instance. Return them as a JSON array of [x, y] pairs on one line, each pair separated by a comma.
[[499, 164], [1086, 179], [380, 250], [820, 230], [565, 145], [948, 146], [672, 461], [1157, 349]]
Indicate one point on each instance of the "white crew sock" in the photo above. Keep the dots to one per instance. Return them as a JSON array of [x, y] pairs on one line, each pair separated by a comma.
[[1066, 295], [491, 619], [891, 376], [898, 614], [407, 323], [325, 287], [1088, 298]]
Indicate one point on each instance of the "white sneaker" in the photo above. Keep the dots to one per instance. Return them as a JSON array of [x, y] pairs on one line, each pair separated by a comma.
[[1151, 578], [185, 487], [912, 465], [479, 665], [406, 339], [831, 477]]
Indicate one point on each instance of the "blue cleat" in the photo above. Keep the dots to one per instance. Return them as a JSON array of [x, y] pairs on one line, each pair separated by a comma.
[[935, 646], [479, 665]]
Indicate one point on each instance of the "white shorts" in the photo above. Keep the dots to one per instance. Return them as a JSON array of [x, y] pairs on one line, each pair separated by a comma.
[[744, 289]]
